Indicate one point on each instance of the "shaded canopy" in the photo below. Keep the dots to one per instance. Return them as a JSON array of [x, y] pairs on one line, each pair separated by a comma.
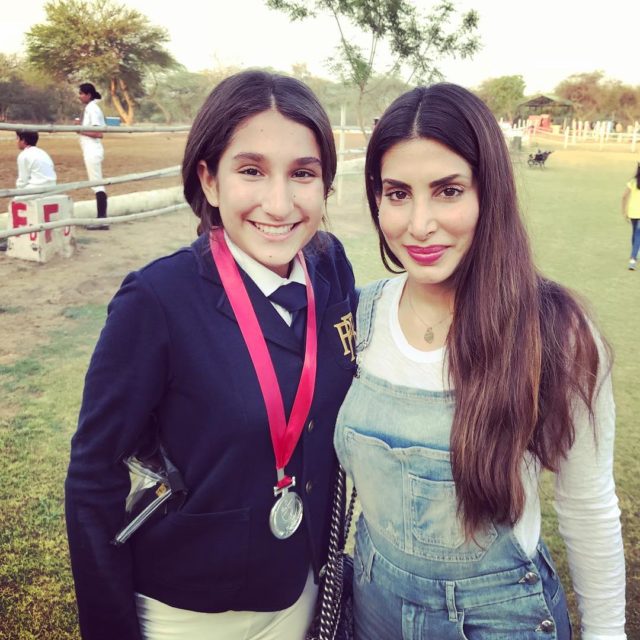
[[546, 103]]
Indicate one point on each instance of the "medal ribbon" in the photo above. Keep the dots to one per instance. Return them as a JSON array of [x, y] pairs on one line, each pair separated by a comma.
[[284, 436]]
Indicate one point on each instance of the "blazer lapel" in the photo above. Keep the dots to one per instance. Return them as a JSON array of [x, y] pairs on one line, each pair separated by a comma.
[[321, 289]]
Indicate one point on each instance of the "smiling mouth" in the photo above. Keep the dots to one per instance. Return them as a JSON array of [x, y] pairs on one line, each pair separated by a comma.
[[274, 230]]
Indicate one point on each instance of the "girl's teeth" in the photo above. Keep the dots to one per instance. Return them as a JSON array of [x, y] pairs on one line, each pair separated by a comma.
[[274, 231]]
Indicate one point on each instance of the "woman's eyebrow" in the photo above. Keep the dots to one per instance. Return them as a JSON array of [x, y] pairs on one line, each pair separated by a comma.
[[434, 183], [395, 183], [440, 181]]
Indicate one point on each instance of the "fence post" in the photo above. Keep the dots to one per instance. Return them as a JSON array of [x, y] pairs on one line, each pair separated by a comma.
[[341, 148], [343, 124]]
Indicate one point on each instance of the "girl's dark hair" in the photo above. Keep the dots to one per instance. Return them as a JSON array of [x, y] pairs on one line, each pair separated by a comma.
[[520, 348], [235, 99], [88, 88], [637, 176]]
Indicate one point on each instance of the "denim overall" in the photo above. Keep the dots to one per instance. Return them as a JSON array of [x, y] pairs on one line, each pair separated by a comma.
[[415, 575]]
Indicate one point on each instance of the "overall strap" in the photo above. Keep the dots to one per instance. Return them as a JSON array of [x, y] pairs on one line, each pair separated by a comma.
[[369, 295]]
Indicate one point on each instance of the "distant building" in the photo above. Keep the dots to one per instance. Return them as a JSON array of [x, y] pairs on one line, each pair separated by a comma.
[[545, 109]]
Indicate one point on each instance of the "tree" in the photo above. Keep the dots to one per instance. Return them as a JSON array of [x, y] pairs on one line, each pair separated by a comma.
[[585, 90], [502, 95], [622, 102], [107, 44], [415, 41], [26, 96], [176, 96]]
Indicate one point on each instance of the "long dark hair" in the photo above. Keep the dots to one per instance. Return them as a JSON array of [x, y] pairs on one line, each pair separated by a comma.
[[235, 99], [520, 348], [637, 176]]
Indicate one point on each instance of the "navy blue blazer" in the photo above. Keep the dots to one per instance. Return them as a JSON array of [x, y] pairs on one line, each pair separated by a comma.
[[171, 346]]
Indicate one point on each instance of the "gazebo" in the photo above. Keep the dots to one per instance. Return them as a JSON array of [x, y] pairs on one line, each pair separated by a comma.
[[546, 104]]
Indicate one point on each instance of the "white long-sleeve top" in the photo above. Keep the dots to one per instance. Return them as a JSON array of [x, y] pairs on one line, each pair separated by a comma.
[[35, 168], [92, 116], [585, 497]]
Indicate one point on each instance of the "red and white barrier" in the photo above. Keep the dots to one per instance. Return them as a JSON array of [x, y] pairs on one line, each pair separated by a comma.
[[41, 246]]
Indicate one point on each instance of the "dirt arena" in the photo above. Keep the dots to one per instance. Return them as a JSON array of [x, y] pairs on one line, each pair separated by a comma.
[[33, 296]]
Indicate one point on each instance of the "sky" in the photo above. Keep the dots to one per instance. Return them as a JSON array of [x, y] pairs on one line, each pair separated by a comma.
[[544, 41]]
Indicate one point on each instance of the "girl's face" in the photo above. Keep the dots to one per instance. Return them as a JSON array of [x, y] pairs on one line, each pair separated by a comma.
[[85, 98], [268, 188], [428, 208]]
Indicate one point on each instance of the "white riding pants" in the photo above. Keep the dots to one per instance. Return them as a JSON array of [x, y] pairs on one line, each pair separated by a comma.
[[159, 621]]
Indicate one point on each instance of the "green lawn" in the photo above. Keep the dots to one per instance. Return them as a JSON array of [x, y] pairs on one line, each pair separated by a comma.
[[573, 213]]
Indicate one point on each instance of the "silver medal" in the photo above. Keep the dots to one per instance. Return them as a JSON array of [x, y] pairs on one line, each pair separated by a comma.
[[286, 514]]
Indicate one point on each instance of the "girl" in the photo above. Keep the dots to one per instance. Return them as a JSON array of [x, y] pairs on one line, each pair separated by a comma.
[[91, 143], [631, 212], [241, 558], [475, 373]]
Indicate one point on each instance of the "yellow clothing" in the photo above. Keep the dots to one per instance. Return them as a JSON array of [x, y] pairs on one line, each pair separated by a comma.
[[633, 204]]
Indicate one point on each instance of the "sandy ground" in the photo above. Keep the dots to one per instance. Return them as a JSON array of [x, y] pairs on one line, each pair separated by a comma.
[[33, 296]]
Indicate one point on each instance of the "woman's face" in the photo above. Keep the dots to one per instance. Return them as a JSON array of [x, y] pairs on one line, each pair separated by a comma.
[[268, 188], [428, 208], [85, 98]]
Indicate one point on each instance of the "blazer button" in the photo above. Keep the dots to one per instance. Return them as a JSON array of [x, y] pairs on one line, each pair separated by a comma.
[[309, 486], [310, 426]]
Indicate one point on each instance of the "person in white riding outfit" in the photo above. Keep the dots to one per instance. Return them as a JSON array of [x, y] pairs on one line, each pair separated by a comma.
[[91, 143], [35, 166]]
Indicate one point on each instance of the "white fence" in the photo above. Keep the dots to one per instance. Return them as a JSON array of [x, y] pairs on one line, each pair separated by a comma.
[[581, 134]]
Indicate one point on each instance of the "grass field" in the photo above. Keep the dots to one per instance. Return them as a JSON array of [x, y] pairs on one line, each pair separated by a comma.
[[572, 210]]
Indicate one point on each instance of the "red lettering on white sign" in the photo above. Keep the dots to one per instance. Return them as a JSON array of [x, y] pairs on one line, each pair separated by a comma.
[[49, 210], [18, 220]]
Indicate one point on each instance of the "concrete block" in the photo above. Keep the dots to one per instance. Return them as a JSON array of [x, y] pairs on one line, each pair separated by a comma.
[[41, 246]]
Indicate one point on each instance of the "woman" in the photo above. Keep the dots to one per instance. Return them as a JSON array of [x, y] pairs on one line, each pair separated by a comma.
[[631, 211], [475, 373], [258, 165], [92, 149]]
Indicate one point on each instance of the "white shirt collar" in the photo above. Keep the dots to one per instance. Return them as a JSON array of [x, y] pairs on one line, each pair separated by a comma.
[[266, 280]]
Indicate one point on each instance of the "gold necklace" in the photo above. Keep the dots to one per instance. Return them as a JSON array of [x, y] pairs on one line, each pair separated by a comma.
[[428, 334]]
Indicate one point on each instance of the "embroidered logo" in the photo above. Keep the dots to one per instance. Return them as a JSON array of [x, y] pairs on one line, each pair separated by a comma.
[[347, 335]]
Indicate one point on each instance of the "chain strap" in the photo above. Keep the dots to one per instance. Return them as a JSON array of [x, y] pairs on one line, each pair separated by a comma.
[[331, 597]]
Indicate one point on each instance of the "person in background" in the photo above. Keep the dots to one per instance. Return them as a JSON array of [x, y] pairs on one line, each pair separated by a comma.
[[631, 212], [241, 559], [35, 166], [475, 374], [92, 148]]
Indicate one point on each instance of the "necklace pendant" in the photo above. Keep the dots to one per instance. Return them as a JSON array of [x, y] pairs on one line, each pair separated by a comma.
[[428, 335]]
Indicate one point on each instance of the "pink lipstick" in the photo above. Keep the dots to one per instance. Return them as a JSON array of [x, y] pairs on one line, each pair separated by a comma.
[[426, 256]]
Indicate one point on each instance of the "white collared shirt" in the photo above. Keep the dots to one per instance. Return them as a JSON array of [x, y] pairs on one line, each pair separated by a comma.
[[265, 279]]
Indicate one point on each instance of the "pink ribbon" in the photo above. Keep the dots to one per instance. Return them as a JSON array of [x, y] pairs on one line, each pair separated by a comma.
[[284, 436]]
